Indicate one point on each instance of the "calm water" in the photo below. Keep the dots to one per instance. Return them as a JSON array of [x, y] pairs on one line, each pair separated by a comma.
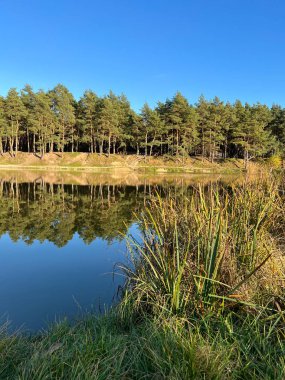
[[59, 244]]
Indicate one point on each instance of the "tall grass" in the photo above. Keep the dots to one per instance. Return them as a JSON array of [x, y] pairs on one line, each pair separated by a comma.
[[213, 250], [215, 255]]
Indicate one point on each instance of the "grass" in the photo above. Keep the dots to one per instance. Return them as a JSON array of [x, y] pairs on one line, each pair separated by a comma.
[[204, 298], [111, 348]]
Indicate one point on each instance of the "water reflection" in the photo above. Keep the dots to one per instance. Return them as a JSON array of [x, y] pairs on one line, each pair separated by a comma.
[[53, 211], [60, 240]]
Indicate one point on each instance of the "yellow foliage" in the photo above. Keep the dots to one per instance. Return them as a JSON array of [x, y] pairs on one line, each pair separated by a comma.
[[275, 161]]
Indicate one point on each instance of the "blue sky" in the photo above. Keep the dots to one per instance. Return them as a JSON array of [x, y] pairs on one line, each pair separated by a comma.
[[148, 49]]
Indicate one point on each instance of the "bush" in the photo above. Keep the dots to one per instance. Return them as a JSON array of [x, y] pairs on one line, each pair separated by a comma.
[[275, 162]]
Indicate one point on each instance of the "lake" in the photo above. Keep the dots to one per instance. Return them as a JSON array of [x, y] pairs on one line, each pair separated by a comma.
[[62, 238]]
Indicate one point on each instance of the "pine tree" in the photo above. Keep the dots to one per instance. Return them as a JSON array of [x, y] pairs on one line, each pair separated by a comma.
[[107, 123], [15, 113], [250, 133], [63, 107], [203, 115], [151, 127], [45, 123], [3, 124], [189, 131], [29, 101], [87, 109], [277, 127], [136, 136], [125, 122]]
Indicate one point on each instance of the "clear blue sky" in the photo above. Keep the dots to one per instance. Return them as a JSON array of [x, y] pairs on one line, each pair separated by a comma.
[[147, 49]]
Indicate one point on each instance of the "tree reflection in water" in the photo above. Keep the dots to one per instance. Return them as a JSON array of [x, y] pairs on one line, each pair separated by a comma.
[[40, 210]]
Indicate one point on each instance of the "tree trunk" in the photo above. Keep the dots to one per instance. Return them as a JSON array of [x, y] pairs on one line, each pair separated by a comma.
[[114, 146], [91, 140], [11, 143], [28, 140], [17, 145], [225, 149], [109, 144], [246, 159], [63, 140], [177, 142], [17, 139]]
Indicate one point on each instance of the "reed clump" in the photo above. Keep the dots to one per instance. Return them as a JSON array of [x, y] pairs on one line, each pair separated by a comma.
[[217, 249]]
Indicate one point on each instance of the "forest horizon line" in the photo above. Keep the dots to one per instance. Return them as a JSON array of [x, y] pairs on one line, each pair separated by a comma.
[[54, 121]]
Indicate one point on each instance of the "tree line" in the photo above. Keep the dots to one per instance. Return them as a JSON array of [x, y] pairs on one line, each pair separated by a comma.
[[53, 121]]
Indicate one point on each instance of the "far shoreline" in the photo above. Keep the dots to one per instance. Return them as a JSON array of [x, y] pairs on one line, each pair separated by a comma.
[[116, 163]]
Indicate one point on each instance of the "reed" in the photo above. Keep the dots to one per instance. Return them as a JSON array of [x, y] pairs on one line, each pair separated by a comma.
[[216, 249]]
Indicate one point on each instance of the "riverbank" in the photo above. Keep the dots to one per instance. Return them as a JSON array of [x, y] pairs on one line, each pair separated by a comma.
[[204, 300], [110, 347], [119, 163]]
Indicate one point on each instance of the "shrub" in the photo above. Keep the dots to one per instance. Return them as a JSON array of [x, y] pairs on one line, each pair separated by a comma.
[[275, 162]]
